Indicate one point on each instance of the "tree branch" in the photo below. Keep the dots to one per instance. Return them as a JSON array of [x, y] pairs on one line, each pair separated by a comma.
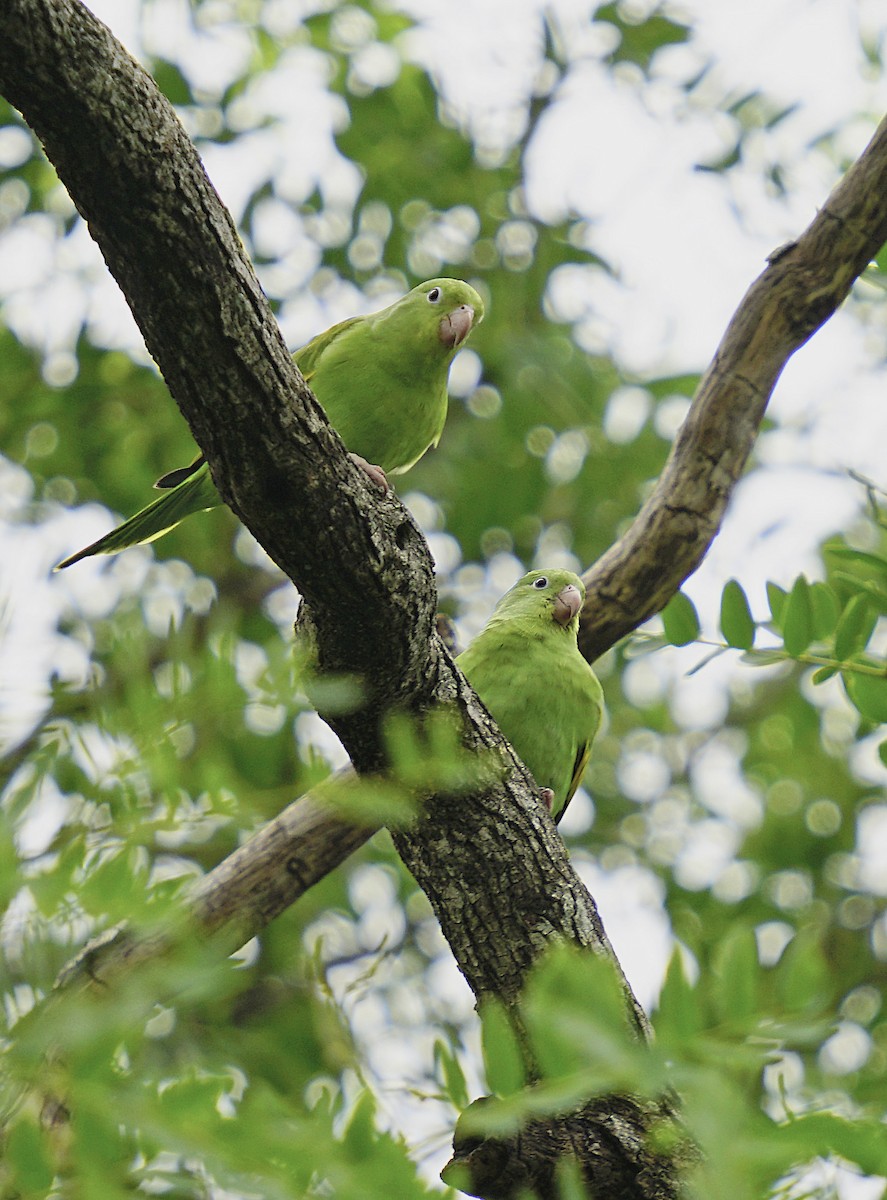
[[492, 864], [515, 1165], [803, 285], [797, 293], [169, 241], [243, 894]]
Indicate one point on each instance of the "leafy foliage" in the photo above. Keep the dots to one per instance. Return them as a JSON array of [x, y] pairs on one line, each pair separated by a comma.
[[832, 624]]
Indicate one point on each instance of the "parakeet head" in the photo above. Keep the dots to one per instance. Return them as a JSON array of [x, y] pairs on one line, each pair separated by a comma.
[[448, 309], [543, 598]]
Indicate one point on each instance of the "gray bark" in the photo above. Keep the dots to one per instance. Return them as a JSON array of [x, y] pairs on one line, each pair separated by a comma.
[[492, 864]]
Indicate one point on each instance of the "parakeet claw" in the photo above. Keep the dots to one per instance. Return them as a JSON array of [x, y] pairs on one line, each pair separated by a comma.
[[376, 474], [547, 797]]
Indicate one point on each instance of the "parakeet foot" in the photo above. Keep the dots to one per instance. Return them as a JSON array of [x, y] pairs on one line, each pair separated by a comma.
[[547, 797], [376, 474]]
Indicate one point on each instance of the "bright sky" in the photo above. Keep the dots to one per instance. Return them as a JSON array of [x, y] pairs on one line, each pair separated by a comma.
[[686, 244]]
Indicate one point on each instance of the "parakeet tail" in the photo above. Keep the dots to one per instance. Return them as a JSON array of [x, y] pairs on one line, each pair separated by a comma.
[[196, 494]]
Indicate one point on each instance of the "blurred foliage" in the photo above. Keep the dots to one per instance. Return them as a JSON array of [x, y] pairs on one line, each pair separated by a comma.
[[715, 1042], [169, 721]]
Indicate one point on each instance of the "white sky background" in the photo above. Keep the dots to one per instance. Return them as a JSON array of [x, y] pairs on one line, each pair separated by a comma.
[[685, 245]]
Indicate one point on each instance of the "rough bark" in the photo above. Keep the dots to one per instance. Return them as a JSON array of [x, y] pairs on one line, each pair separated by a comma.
[[166, 238], [799, 291], [137, 179], [508, 1167]]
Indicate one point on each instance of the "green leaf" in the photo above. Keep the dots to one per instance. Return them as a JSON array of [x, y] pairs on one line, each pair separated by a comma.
[[172, 83], [823, 674], [855, 627], [706, 659], [360, 1133], [574, 1011], [451, 1074], [50, 888], [641, 647], [861, 556], [868, 693], [881, 260], [764, 658], [25, 1153], [737, 624], [797, 619], [680, 620], [776, 598], [108, 889], [737, 975], [570, 1185], [826, 610], [802, 975], [503, 1060], [882, 753], [863, 1142], [677, 1017], [868, 587], [10, 878]]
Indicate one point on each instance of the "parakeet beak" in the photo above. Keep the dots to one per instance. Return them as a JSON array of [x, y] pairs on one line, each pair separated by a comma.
[[566, 604], [456, 326]]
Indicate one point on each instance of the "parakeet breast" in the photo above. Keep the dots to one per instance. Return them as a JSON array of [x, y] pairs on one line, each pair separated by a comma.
[[387, 404], [543, 696]]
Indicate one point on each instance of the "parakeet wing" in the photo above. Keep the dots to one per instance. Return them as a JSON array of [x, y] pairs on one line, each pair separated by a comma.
[[308, 357], [582, 757], [173, 478], [306, 360]]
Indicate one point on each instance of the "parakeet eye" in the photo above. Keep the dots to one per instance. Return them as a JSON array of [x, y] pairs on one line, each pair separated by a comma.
[[434, 295], [541, 582]]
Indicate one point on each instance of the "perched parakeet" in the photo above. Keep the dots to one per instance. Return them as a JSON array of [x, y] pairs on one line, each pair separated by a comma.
[[382, 382], [526, 666]]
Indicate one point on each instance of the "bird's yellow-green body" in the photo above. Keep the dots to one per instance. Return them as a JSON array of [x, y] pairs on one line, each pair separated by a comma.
[[526, 666], [382, 382]]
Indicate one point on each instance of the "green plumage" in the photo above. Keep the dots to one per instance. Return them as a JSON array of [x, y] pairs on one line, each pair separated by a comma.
[[382, 382], [526, 666]]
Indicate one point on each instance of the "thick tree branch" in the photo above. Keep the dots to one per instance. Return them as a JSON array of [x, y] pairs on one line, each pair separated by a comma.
[[803, 285], [492, 863], [171, 245], [799, 291], [512, 1166], [286, 857], [138, 181]]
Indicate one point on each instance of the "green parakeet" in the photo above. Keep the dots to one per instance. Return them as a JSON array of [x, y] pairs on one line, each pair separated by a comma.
[[382, 382], [526, 666]]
